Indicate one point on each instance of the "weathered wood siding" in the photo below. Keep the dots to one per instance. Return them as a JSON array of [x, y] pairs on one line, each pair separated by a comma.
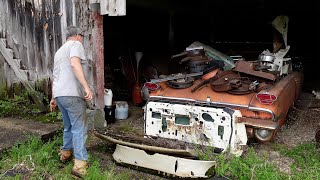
[[35, 29], [31, 30]]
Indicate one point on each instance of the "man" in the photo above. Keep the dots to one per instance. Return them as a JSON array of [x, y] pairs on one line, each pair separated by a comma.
[[70, 89]]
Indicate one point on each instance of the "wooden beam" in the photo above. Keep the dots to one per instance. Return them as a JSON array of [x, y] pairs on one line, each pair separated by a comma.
[[21, 76], [98, 58]]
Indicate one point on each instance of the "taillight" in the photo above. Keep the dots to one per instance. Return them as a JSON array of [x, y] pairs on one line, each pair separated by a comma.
[[266, 98], [152, 86]]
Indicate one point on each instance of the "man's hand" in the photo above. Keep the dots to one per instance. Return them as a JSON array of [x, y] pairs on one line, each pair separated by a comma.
[[53, 105], [88, 95]]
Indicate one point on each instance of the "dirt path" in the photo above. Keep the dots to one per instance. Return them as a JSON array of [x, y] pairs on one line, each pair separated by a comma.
[[302, 122]]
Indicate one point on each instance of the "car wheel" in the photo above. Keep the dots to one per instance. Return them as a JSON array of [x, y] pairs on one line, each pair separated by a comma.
[[263, 135]]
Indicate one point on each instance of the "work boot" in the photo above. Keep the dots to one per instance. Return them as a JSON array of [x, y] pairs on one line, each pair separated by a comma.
[[80, 168], [65, 155]]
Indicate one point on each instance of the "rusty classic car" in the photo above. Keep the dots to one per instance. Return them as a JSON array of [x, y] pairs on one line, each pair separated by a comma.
[[229, 103], [219, 107]]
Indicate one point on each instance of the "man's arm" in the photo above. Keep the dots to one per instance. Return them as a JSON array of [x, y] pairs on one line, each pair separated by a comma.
[[78, 72]]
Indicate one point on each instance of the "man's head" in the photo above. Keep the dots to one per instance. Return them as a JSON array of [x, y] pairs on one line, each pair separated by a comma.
[[74, 33]]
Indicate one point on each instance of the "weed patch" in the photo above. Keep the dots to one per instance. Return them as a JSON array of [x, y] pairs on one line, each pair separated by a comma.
[[248, 166], [22, 106], [306, 161]]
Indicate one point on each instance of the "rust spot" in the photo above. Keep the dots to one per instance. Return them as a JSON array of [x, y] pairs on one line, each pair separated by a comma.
[[170, 124]]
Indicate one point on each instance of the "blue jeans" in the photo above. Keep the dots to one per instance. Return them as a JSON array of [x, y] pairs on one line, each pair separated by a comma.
[[75, 123]]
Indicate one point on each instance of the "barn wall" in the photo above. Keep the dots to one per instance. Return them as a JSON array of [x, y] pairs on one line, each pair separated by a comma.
[[34, 30], [30, 30]]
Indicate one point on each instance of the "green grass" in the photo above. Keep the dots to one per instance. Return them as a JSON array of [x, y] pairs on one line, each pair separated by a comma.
[[42, 160], [306, 161], [248, 166], [22, 106]]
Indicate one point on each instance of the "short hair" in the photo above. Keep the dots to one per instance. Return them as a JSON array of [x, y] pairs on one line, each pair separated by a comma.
[[73, 30]]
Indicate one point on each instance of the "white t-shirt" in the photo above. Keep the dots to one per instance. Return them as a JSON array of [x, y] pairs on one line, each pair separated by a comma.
[[65, 82]]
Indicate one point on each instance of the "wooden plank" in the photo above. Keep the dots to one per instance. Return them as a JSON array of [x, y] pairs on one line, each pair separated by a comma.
[[3, 41], [8, 56], [117, 7]]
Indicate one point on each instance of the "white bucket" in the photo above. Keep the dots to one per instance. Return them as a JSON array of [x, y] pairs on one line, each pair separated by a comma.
[[107, 97], [122, 109]]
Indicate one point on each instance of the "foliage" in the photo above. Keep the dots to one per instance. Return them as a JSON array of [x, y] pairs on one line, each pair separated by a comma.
[[22, 106], [6, 107], [3, 92]]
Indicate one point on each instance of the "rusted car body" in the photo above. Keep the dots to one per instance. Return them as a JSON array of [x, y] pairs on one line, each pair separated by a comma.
[[262, 120]]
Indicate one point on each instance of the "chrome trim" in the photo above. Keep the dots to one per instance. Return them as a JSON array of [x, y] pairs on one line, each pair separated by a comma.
[[217, 103]]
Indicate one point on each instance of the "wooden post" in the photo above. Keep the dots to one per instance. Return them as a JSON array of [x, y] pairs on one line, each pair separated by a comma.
[[98, 58]]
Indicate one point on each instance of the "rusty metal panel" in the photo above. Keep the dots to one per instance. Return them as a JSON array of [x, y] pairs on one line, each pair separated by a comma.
[[261, 123], [247, 68]]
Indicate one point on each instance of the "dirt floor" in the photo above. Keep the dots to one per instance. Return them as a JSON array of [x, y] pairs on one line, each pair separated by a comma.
[[302, 123]]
